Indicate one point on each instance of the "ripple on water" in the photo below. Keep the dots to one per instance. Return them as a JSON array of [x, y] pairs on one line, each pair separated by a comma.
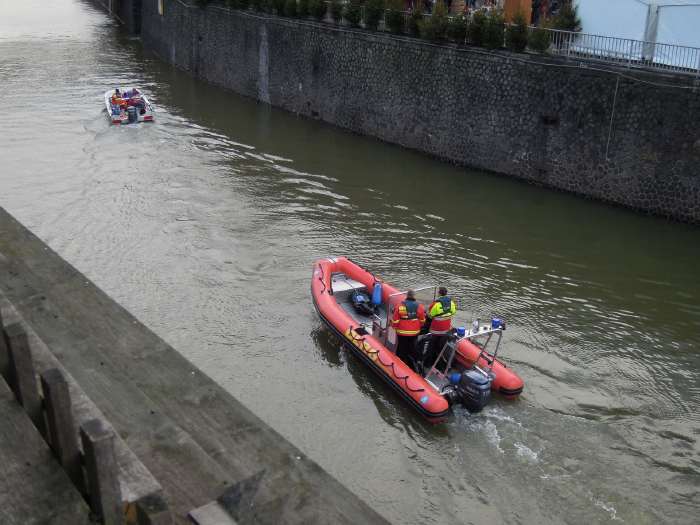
[[603, 328]]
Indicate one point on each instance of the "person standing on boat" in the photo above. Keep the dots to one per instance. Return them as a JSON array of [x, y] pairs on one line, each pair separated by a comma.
[[409, 317], [440, 313], [117, 99]]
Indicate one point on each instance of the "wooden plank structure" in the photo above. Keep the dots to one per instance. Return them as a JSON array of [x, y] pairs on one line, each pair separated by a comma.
[[34, 489], [193, 436], [21, 374], [119, 493], [62, 435]]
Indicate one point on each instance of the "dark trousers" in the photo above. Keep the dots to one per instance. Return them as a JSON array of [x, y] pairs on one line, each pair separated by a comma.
[[432, 350], [437, 342], [406, 349]]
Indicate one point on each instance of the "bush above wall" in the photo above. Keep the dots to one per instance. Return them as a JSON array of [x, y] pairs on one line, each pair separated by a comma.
[[483, 28]]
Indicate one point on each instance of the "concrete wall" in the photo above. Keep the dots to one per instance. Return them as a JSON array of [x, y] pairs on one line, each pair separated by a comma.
[[128, 12], [596, 133]]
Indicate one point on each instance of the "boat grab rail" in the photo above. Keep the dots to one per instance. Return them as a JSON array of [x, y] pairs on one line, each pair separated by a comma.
[[490, 358], [320, 278], [414, 289]]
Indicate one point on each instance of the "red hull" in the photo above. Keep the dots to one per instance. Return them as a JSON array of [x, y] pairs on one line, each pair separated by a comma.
[[399, 375]]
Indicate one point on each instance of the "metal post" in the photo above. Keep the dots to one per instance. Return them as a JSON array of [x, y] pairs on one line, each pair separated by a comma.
[[629, 59], [22, 373], [62, 432], [101, 469]]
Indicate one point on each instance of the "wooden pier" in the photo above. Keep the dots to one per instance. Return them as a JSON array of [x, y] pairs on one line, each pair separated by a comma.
[[185, 451]]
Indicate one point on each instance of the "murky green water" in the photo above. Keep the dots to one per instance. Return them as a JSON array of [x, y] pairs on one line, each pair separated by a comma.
[[205, 225]]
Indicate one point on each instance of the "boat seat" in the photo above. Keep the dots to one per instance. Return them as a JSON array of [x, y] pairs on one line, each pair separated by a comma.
[[343, 286]]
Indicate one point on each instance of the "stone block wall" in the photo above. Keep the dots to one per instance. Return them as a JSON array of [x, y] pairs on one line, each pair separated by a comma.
[[625, 138], [128, 12]]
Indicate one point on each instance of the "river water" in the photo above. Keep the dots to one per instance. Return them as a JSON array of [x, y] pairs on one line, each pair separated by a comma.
[[205, 225]]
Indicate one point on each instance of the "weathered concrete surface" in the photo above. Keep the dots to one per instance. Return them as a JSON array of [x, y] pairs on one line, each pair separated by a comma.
[[34, 489], [194, 437], [626, 137]]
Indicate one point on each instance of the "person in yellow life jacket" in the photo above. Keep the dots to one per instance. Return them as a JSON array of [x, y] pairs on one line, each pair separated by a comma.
[[440, 312], [409, 317]]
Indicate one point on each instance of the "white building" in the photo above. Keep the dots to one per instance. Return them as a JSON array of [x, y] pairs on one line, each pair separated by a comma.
[[664, 21], [663, 24]]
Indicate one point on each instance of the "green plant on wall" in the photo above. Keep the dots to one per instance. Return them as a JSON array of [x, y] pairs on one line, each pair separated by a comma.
[[394, 16], [434, 27], [539, 39], [317, 8], [336, 11], [477, 28], [353, 13], [567, 18], [374, 10], [415, 18], [457, 29], [494, 30], [290, 8], [303, 8], [516, 33], [278, 6]]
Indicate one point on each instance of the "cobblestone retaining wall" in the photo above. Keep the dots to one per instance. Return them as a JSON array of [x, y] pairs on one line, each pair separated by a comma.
[[597, 133]]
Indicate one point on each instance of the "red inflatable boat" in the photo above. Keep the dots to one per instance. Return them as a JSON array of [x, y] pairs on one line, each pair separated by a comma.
[[357, 306]]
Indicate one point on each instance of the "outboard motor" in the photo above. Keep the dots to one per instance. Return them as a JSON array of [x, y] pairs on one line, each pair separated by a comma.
[[132, 113], [474, 390]]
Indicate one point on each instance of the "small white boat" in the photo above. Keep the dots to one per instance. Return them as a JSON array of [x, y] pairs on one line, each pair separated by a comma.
[[128, 106]]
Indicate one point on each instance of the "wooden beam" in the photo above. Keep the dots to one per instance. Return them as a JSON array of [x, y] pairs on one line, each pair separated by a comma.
[[23, 376], [101, 469], [62, 433], [34, 488]]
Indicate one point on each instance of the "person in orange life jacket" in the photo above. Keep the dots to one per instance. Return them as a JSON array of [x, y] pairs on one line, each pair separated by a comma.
[[440, 314], [117, 99], [409, 317]]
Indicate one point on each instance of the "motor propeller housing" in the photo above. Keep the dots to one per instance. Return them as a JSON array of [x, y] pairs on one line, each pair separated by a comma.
[[474, 390]]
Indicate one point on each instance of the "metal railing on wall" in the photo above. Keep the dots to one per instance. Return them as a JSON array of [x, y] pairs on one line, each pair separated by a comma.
[[624, 51]]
